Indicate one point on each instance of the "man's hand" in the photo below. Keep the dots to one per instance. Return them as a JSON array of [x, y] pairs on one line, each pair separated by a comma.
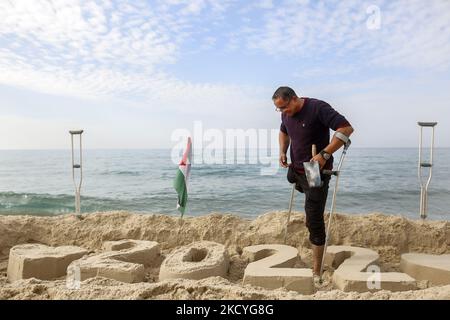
[[283, 160], [319, 159]]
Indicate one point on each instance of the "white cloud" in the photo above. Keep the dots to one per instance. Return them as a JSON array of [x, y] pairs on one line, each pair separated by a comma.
[[87, 49], [85, 32], [113, 49], [101, 48], [415, 34], [412, 34]]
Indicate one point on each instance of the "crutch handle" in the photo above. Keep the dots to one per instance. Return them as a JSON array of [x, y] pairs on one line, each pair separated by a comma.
[[347, 144], [427, 124], [330, 172], [76, 131]]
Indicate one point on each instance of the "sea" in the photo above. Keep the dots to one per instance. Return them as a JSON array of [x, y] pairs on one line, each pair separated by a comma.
[[386, 180]]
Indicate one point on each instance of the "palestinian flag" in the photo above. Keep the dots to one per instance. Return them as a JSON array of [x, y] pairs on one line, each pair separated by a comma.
[[182, 177]]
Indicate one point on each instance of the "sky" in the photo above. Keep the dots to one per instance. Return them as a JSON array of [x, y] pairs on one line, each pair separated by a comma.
[[131, 73]]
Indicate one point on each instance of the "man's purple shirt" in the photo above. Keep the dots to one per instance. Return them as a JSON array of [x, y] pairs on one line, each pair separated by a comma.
[[311, 125]]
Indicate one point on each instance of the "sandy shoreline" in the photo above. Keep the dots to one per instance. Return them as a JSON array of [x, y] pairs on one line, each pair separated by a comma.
[[390, 236]]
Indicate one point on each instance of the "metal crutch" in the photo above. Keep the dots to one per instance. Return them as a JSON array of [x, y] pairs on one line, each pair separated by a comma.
[[77, 166], [424, 188], [289, 214], [333, 201], [313, 152]]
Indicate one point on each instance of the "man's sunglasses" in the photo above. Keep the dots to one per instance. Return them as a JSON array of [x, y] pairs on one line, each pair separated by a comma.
[[280, 109]]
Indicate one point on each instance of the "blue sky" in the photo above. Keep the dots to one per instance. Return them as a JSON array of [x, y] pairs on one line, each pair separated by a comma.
[[130, 73]]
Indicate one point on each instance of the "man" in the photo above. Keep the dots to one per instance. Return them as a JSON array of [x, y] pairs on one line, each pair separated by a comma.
[[306, 122]]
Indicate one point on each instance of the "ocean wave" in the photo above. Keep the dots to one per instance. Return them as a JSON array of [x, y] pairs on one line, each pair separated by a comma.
[[11, 202], [49, 204], [121, 173]]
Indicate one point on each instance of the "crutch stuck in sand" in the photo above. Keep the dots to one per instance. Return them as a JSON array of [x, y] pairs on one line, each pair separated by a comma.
[[79, 165], [422, 164], [289, 213]]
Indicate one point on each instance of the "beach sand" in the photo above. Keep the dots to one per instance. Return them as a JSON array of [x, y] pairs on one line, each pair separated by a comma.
[[390, 236]]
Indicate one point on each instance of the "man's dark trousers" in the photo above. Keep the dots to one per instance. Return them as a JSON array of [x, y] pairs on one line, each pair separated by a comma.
[[315, 200]]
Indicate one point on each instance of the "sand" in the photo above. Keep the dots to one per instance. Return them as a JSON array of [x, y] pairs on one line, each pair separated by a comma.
[[390, 236]]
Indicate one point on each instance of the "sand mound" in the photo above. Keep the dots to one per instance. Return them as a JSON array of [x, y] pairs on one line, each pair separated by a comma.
[[390, 236]]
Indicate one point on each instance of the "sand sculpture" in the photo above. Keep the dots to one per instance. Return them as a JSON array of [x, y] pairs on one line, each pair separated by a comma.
[[434, 268], [124, 261], [196, 261], [357, 271], [40, 261], [271, 266]]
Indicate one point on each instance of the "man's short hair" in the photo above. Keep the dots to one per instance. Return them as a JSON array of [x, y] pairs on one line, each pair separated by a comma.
[[285, 93]]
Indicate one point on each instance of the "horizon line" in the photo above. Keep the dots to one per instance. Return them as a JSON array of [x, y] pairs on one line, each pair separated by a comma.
[[169, 148]]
